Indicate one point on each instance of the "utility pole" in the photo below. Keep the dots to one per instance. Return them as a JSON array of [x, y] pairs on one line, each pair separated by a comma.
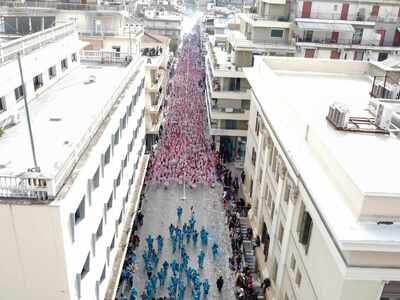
[[28, 119]]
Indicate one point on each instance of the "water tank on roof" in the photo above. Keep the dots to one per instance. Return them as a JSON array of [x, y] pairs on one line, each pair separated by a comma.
[[383, 117]]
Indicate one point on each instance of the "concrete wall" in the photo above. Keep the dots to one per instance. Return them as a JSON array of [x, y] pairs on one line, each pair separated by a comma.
[[33, 64], [32, 255]]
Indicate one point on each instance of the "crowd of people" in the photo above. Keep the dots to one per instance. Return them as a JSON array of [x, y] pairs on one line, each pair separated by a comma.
[[184, 151]]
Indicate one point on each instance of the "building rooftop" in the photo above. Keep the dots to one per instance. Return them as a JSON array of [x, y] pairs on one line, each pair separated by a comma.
[[61, 117], [342, 170]]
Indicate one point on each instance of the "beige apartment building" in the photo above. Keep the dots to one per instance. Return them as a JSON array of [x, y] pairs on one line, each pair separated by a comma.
[[322, 186]]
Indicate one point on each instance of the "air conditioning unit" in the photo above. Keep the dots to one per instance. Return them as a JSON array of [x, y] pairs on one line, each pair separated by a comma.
[[338, 114], [383, 117]]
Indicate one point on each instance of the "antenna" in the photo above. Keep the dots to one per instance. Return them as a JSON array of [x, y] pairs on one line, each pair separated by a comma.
[[28, 119]]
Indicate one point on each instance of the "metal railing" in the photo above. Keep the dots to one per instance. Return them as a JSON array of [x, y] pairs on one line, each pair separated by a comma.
[[350, 42], [228, 110], [62, 5], [105, 57], [31, 42], [257, 17], [25, 186], [351, 17]]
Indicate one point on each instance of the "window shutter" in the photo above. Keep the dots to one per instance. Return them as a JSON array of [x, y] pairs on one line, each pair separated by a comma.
[[97, 290], [102, 160], [108, 256], [105, 213], [89, 191]]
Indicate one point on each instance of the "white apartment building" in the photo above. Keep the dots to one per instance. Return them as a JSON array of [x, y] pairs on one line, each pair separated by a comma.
[[163, 23], [155, 49], [63, 223], [324, 201], [355, 30]]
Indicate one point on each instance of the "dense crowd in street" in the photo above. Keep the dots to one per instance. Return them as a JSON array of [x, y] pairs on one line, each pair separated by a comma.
[[184, 152]]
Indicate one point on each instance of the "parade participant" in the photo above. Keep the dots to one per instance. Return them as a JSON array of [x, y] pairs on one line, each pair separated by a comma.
[[160, 243], [220, 283], [214, 249], [149, 241], [179, 212], [200, 259], [171, 229], [195, 235], [133, 294], [204, 236], [206, 287]]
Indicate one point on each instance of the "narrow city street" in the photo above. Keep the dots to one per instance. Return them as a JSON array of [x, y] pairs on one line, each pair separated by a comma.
[[182, 174]]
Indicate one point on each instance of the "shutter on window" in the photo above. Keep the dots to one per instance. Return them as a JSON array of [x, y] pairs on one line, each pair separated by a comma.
[[94, 244], [78, 285], [72, 226]]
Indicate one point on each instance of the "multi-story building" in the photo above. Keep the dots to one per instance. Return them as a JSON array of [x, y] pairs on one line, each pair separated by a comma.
[[64, 214], [155, 49], [163, 23], [323, 200], [355, 30]]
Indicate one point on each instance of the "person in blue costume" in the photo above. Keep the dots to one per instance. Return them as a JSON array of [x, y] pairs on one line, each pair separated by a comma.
[[175, 266], [149, 241], [192, 222], [195, 235], [181, 290], [200, 259], [214, 249], [160, 243], [204, 236], [161, 277], [206, 287], [171, 229], [174, 243], [165, 266], [133, 294], [179, 212]]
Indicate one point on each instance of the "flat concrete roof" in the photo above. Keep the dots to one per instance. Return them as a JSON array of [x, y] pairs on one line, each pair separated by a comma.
[[73, 105], [299, 93]]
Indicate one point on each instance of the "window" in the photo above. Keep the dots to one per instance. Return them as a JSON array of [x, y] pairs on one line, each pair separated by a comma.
[[292, 263], [253, 156], [99, 231], [19, 93], [64, 64], [126, 161], [103, 274], [52, 72], [112, 245], [118, 181], [124, 121], [86, 266], [116, 137], [74, 57], [382, 56], [96, 179], [298, 278], [305, 228], [37, 82], [120, 218], [280, 233], [107, 156], [251, 187], [257, 124], [3, 106], [286, 194], [276, 33], [110, 202], [80, 212]]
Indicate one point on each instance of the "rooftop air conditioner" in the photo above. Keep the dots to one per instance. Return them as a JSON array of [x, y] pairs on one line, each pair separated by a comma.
[[338, 114]]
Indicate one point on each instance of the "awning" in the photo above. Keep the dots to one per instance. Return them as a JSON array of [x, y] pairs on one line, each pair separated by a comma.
[[313, 26]]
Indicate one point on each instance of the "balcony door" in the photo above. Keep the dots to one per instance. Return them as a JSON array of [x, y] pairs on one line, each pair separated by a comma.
[[309, 53], [306, 12], [345, 11], [335, 37]]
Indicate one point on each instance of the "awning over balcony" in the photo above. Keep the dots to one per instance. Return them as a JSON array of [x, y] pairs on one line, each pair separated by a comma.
[[313, 26]]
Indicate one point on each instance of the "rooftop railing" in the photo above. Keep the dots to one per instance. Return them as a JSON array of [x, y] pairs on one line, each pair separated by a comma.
[[31, 42], [62, 5], [349, 42]]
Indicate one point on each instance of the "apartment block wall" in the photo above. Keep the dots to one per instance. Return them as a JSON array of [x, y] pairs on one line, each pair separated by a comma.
[[34, 64]]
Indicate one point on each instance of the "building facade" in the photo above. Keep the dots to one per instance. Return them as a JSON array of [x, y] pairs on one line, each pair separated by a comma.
[[64, 218], [328, 228], [155, 49]]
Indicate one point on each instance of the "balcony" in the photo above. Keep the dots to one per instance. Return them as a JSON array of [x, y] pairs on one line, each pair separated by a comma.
[[227, 113], [350, 17], [347, 43], [62, 5], [105, 57], [221, 63]]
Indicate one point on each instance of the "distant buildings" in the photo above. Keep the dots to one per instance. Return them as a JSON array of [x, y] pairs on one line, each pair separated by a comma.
[[323, 200], [163, 23], [64, 224]]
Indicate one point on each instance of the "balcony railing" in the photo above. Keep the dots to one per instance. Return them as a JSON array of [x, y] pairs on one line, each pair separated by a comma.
[[349, 42], [257, 17], [351, 17], [31, 42], [228, 110], [105, 57], [62, 5]]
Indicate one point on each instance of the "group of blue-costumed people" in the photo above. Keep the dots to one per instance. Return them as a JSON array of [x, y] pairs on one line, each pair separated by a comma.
[[172, 273]]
